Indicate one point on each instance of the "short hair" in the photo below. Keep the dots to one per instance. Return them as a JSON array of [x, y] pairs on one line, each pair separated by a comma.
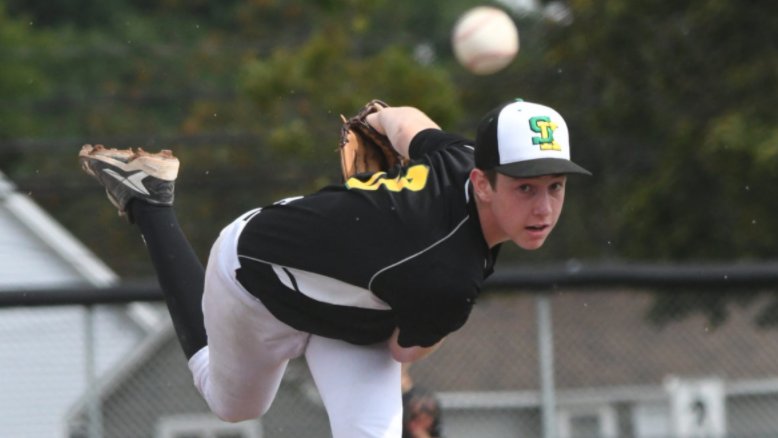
[[420, 399], [491, 176]]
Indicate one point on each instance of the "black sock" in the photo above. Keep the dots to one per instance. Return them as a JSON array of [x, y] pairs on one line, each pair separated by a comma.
[[180, 273]]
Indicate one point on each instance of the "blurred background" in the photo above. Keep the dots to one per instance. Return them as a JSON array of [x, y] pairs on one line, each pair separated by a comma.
[[671, 106]]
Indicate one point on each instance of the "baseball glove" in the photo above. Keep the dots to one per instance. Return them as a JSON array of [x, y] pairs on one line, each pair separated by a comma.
[[362, 148]]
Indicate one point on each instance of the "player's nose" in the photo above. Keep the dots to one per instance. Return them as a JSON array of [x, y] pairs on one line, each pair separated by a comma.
[[542, 205]]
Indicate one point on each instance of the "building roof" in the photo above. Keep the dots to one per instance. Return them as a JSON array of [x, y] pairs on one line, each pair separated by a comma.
[[46, 350], [601, 339], [36, 251]]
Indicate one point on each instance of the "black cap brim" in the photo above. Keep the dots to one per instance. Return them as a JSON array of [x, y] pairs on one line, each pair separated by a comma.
[[540, 167]]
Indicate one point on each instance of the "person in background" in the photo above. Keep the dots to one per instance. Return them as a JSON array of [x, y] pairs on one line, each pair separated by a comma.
[[422, 417]]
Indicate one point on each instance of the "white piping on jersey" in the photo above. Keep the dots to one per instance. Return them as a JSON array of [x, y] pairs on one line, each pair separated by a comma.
[[434, 244], [324, 289], [467, 181]]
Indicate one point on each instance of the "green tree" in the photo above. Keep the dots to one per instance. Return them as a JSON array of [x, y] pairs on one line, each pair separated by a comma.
[[247, 93], [674, 107], [20, 78], [670, 105]]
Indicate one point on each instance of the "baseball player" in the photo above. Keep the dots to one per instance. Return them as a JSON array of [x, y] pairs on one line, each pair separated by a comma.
[[357, 277]]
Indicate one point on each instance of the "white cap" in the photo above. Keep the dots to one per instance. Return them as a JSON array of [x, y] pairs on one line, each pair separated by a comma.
[[523, 140]]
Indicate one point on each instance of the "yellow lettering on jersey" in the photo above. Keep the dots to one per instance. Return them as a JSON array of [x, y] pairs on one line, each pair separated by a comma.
[[414, 179]]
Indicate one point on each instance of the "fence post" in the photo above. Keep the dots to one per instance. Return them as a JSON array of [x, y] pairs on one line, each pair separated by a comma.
[[546, 364], [95, 420]]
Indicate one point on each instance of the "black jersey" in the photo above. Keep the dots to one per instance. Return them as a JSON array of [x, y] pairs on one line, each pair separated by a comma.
[[399, 249]]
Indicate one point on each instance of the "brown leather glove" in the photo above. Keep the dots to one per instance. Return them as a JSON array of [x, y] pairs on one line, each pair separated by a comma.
[[362, 148]]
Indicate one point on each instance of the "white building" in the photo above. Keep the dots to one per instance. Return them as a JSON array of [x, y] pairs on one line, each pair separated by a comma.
[[48, 354]]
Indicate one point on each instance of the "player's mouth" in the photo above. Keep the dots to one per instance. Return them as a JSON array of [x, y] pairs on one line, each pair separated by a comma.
[[537, 229]]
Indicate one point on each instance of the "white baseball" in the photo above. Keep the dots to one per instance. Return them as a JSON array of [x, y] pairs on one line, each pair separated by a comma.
[[485, 40]]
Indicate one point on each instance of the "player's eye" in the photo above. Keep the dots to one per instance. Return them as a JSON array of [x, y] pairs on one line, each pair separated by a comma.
[[555, 187]]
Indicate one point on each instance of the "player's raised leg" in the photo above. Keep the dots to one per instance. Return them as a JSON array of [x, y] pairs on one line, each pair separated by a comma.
[[141, 185], [248, 348]]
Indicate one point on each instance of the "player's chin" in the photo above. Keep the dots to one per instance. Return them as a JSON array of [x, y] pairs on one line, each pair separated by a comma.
[[530, 243]]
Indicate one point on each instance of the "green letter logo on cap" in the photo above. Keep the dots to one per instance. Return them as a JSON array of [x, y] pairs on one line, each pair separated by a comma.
[[543, 126]]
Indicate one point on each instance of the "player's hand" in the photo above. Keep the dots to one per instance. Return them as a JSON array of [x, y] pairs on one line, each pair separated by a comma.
[[409, 354], [400, 124], [374, 121]]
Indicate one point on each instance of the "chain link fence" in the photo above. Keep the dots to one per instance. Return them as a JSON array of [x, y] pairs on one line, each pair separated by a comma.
[[570, 362]]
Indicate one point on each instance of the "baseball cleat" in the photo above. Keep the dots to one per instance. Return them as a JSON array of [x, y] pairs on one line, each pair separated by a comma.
[[130, 174]]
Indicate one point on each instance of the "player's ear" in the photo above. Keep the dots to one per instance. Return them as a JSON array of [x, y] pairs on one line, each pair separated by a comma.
[[481, 185]]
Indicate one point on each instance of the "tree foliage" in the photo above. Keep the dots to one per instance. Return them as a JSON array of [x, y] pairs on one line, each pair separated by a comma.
[[671, 105], [676, 102]]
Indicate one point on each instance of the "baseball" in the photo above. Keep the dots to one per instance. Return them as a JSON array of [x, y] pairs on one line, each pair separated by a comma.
[[485, 40]]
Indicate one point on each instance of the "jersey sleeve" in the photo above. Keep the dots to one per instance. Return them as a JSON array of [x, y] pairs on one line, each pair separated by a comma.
[[431, 140], [428, 316], [432, 316]]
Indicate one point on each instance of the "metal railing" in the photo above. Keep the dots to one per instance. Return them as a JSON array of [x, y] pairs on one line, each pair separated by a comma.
[[539, 282]]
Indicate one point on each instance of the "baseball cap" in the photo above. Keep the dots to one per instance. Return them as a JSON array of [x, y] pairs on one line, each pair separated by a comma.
[[523, 139]]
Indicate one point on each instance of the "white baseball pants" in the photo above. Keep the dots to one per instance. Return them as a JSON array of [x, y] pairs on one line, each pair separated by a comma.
[[241, 369]]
